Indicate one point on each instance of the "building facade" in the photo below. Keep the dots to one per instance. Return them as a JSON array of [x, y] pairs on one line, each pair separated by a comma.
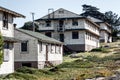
[[36, 50], [7, 31], [76, 32], [105, 30]]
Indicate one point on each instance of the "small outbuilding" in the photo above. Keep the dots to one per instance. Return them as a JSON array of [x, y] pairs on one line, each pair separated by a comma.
[[36, 50]]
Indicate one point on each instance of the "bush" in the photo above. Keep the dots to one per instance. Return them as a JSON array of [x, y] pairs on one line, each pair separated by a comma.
[[100, 49]]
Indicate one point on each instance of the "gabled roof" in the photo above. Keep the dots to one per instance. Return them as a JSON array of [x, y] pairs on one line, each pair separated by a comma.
[[94, 19], [57, 15], [15, 14], [40, 36]]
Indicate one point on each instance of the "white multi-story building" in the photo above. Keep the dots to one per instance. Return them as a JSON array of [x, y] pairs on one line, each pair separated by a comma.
[[7, 31], [78, 33], [36, 50], [105, 30]]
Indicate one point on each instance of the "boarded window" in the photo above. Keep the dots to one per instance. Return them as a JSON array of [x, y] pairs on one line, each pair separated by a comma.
[[75, 35], [5, 20], [24, 46]]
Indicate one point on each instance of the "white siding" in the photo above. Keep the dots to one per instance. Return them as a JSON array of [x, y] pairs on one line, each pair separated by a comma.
[[8, 66]]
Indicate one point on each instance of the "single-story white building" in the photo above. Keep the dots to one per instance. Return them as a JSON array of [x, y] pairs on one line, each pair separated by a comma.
[[36, 50]]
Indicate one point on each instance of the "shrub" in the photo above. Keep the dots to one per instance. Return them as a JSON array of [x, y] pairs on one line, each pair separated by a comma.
[[100, 49]]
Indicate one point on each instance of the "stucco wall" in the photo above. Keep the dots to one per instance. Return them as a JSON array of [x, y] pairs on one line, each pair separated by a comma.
[[10, 31], [68, 38], [8, 66], [31, 54]]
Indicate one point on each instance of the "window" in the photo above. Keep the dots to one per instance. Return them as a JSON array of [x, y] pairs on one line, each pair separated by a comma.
[[24, 46], [6, 51], [61, 11], [48, 23], [75, 35], [27, 64], [5, 20], [75, 22], [48, 34]]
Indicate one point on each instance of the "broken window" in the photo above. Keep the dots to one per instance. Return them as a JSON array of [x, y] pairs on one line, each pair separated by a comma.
[[5, 20]]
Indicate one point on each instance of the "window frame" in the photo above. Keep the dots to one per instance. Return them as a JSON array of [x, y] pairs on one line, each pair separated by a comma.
[[75, 35], [26, 47]]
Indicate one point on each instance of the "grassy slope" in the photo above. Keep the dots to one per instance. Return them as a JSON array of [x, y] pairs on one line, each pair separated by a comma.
[[87, 65]]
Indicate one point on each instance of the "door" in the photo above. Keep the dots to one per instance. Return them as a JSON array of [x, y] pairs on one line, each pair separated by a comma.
[[46, 52], [62, 37]]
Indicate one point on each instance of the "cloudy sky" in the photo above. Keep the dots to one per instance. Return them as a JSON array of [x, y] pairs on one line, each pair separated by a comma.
[[40, 7]]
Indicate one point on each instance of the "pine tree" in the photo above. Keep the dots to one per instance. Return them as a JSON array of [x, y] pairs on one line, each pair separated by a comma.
[[1, 49]]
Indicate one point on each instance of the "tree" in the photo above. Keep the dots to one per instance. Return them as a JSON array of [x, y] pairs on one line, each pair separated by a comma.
[[29, 26], [92, 11], [1, 49], [114, 21], [109, 17]]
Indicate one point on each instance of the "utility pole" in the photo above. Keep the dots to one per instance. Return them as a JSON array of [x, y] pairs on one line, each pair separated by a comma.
[[33, 25]]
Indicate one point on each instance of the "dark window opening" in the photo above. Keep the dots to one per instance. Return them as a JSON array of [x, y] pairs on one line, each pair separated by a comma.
[[75, 22], [62, 37], [5, 20], [48, 34], [24, 46], [61, 11], [26, 64], [6, 45], [75, 35], [48, 23]]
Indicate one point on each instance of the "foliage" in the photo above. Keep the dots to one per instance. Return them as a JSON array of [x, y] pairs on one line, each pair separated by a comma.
[[92, 11], [1, 49], [77, 64], [100, 49], [29, 26], [21, 76], [109, 17]]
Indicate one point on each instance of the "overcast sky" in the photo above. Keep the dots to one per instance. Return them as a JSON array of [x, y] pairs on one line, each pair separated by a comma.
[[40, 7]]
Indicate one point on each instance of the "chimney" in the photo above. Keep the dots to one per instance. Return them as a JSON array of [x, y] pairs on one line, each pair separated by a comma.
[[14, 25]]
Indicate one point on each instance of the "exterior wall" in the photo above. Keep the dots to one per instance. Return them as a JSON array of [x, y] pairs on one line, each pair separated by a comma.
[[104, 37], [91, 27], [18, 64], [7, 32], [68, 38], [8, 66], [105, 33], [50, 52], [31, 54], [36, 54]]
